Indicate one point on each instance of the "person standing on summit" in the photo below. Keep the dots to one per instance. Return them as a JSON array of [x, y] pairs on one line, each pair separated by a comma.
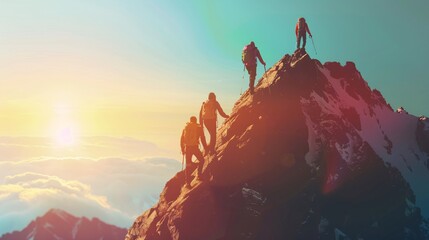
[[301, 30], [248, 56], [208, 118]]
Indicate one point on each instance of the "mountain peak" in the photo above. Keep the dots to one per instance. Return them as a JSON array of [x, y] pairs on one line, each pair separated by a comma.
[[59, 224], [57, 211], [314, 153], [55, 214]]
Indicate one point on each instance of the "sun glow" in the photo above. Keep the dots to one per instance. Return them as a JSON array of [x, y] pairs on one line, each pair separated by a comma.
[[65, 137], [64, 129]]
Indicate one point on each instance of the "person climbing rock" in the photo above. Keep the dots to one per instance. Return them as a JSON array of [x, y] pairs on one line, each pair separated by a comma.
[[248, 56], [192, 134], [208, 118], [301, 30]]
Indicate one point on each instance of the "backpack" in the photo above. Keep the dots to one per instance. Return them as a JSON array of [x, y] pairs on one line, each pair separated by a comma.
[[190, 134], [209, 110], [248, 54], [301, 25]]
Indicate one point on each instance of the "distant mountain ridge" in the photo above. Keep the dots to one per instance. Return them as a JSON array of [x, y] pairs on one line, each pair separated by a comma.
[[314, 153], [57, 224]]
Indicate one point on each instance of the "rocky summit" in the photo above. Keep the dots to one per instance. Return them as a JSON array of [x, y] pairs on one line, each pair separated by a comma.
[[314, 153]]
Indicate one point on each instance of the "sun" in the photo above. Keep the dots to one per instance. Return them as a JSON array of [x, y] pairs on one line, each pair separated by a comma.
[[64, 131], [65, 136]]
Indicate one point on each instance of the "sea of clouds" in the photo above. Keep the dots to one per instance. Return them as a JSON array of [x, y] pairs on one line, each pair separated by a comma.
[[114, 179]]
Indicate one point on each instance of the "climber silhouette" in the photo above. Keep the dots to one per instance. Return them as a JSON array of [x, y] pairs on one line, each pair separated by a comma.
[[301, 30], [248, 57], [208, 118], [189, 143]]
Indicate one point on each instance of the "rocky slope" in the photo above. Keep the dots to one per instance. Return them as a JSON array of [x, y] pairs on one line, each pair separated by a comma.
[[313, 154], [60, 225]]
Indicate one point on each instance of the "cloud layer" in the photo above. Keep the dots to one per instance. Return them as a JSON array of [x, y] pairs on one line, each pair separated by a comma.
[[19, 148], [114, 189]]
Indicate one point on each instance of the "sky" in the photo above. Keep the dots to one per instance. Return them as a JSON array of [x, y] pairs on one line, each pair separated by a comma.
[[97, 80]]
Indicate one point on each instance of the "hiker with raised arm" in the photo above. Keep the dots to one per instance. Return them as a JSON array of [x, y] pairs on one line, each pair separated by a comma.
[[192, 134], [208, 118], [248, 57], [301, 30]]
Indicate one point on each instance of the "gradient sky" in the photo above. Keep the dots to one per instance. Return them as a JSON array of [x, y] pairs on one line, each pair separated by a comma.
[[132, 72], [141, 68]]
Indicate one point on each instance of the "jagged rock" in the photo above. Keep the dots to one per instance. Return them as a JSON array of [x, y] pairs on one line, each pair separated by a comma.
[[422, 136], [314, 153]]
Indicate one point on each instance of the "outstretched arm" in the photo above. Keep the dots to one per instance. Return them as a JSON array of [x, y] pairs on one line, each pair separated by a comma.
[[258, 54], [308, 29], [220, 110]]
